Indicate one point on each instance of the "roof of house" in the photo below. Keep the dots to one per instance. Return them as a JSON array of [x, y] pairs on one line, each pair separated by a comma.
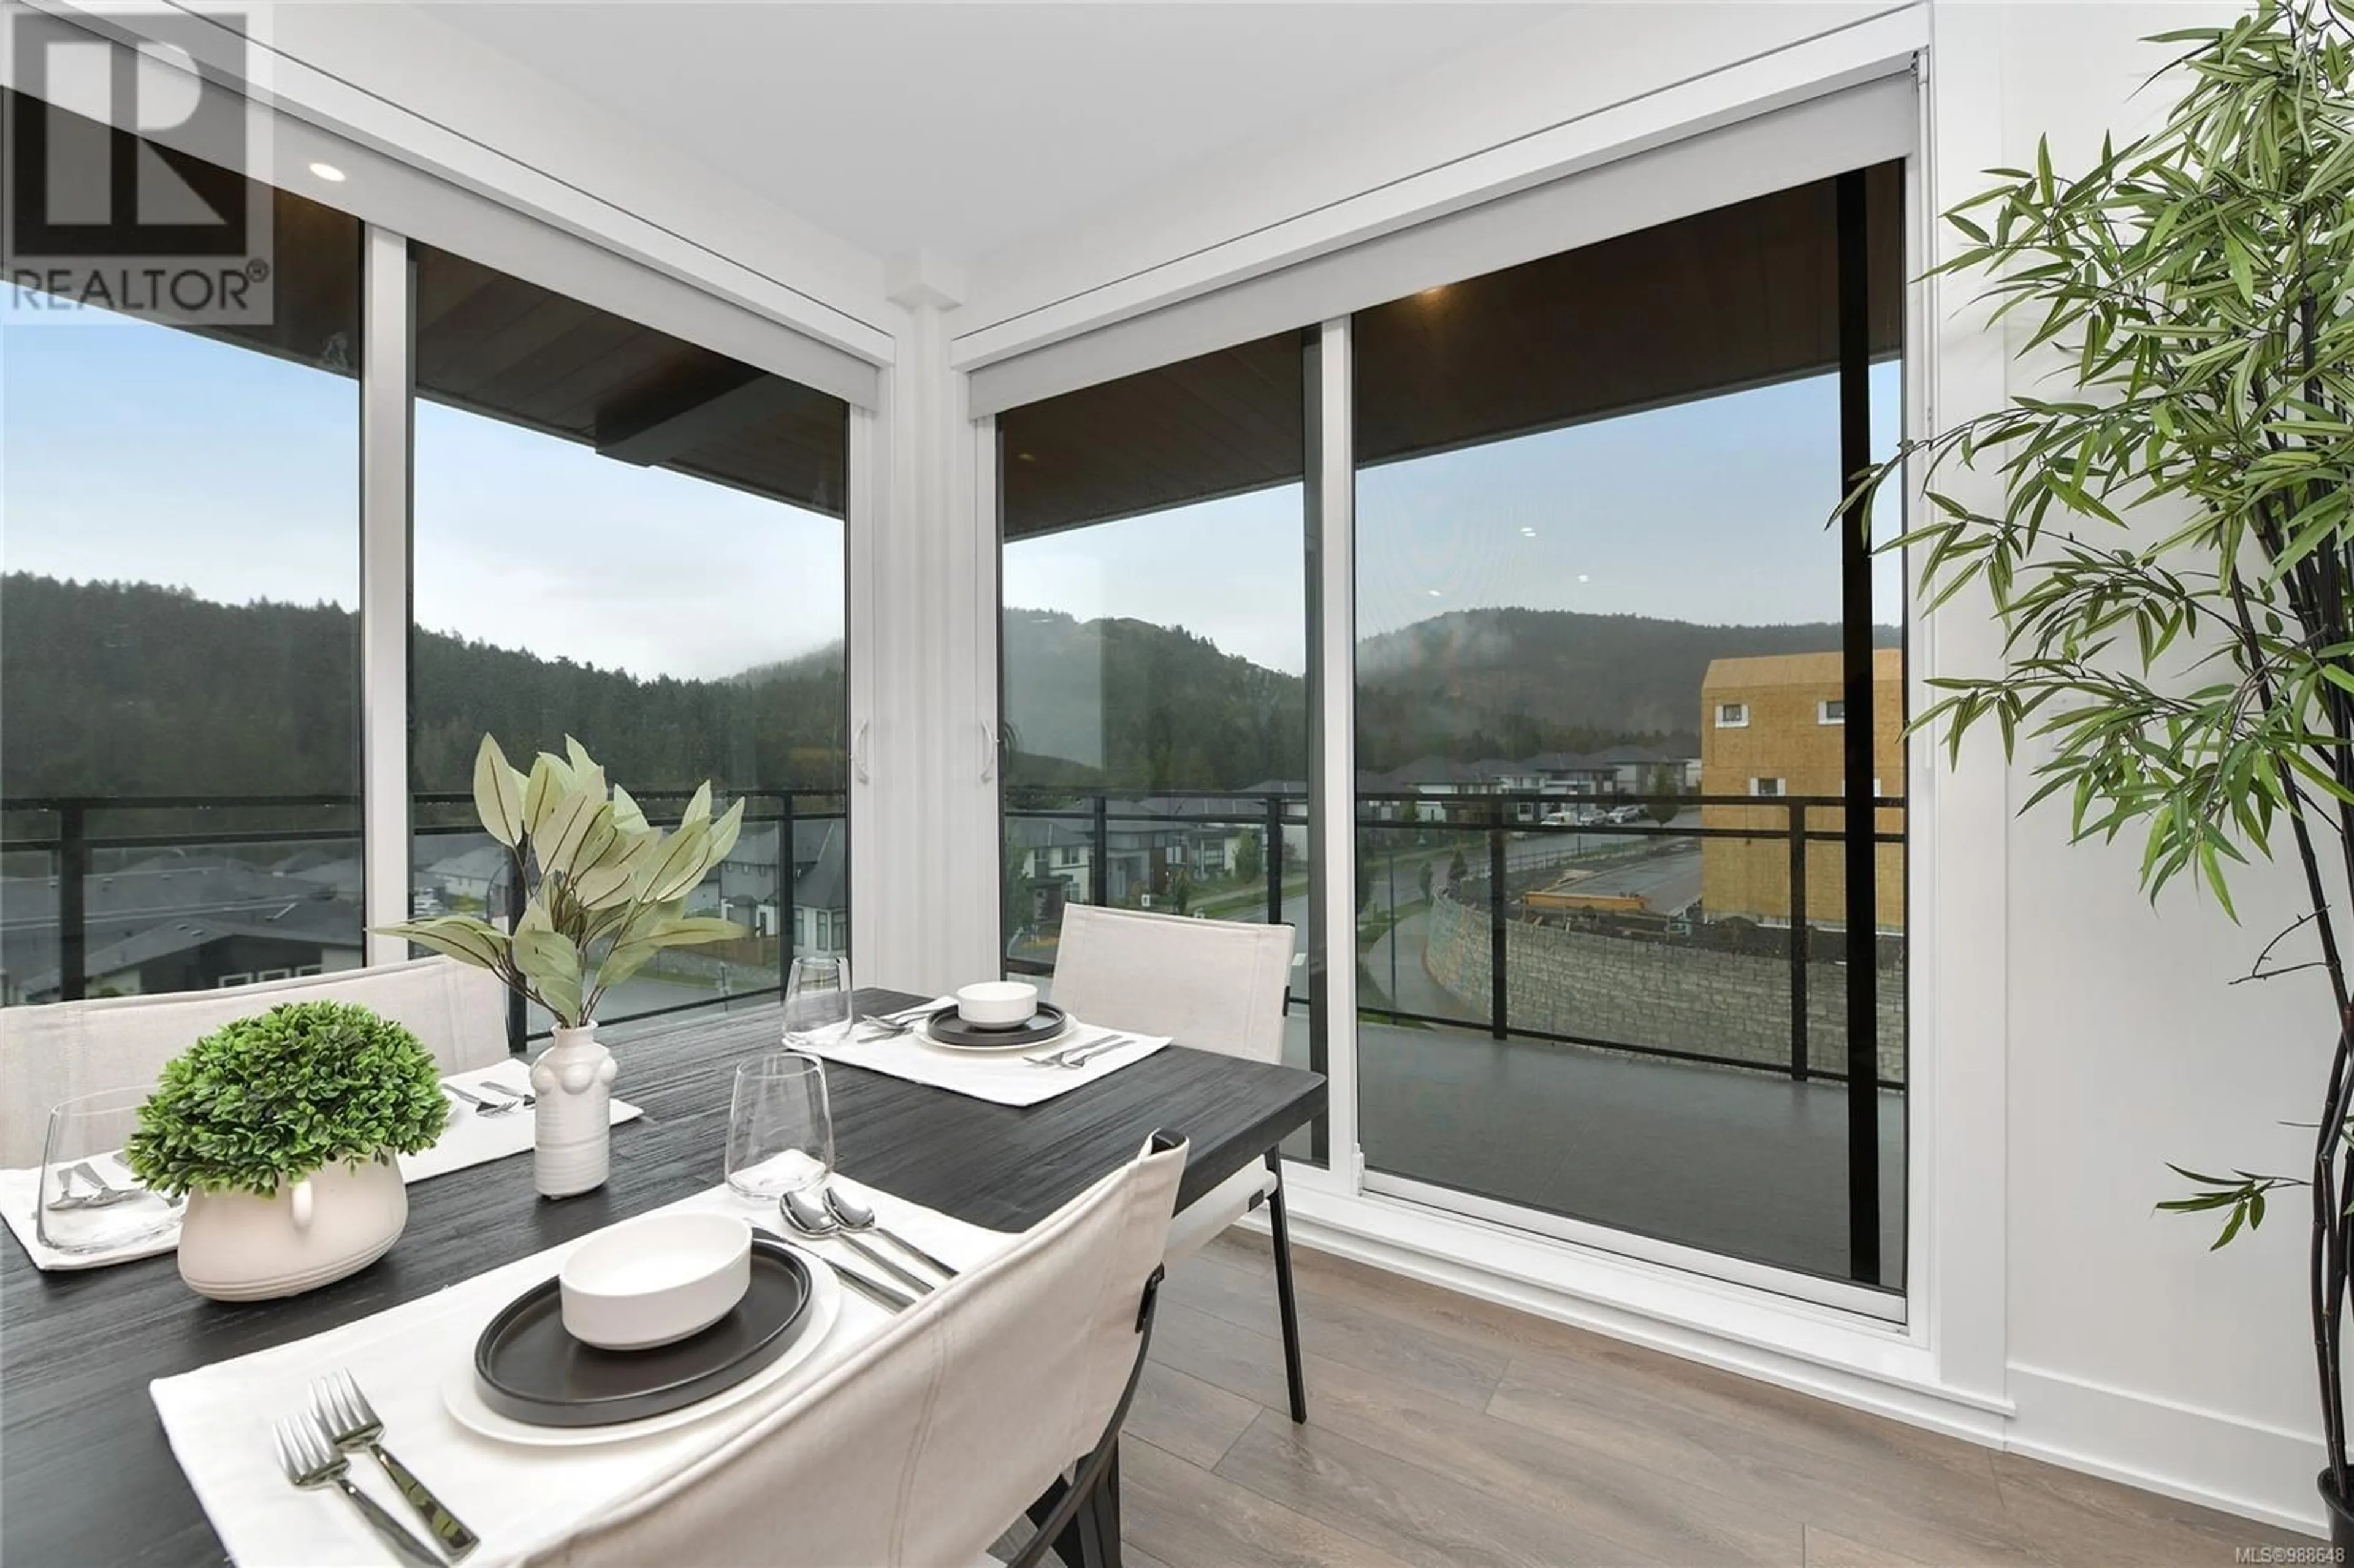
[[333, 924], [825, 884], [1798, 669], [484, 863]]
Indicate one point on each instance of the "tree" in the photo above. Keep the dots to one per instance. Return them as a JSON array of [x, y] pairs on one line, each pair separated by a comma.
[[2199, 280], [1457, 869], [1424, 877], [1250, 862], [1667, 783]]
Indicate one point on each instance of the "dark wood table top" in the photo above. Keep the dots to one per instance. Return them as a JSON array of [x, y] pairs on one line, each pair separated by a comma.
[[87, 1477]]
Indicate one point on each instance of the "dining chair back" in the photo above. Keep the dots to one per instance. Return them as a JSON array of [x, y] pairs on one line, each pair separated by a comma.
[[1215, 985], [923, 1446], [60, 1049]]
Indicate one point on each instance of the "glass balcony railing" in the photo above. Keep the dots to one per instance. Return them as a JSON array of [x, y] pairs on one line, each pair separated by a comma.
[[1704, 928], [116, 895]]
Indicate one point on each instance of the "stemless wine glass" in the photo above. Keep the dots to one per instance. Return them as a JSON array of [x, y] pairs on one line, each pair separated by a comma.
[[780, 1126], [89, 1201], [818, 1009]]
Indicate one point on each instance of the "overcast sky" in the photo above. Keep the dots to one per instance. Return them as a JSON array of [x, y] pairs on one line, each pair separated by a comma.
[[138, 453], [1709, 512], [143, 454]]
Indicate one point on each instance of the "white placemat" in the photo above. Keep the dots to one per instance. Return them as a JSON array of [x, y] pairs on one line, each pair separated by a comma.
[[470, 1138], [219, 1417], [1002, 1076]]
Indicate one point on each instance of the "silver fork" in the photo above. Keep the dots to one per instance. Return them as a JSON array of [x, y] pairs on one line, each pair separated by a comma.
[[310, 1460], [1075, 1055], [351, 1424], [1086, 1054], [107, 1194], [523, 1095], [482, 1106]]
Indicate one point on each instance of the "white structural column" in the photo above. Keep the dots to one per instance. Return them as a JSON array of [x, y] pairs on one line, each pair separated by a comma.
[[1333, 766], [386, 373], [924, 827]]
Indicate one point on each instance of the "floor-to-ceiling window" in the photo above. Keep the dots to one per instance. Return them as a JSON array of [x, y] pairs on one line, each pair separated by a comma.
[[1154, 650], [179, 696], [625, 538], [1618, 690]]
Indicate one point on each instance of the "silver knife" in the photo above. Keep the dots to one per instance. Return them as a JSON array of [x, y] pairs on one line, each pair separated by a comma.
[[875, 1290]]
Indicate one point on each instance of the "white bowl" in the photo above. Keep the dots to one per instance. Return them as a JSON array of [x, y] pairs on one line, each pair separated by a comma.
[[655, 1280], [997, 1004]]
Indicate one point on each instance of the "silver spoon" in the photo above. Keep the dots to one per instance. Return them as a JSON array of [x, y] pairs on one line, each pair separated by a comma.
[[857, 1217], [809, 1217]]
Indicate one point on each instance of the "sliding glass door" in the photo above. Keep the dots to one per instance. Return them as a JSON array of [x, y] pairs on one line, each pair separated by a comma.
[[1154, 652], [1620, 694]]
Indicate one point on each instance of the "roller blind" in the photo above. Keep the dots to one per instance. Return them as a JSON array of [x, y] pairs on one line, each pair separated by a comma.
[[1854, 127]]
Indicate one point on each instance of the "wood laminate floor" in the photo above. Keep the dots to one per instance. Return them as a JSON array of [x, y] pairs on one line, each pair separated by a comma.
[[1448, 1433]]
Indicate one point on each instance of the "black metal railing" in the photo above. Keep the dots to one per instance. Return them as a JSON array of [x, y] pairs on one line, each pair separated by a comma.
[[1097, 821], [73, 841]]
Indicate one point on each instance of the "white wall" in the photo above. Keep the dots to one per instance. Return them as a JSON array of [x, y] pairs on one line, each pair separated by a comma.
[[2131, 1347]]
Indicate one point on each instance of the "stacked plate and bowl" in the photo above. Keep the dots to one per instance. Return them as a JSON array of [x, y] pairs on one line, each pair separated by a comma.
[[651, 1324], [996, 1015]]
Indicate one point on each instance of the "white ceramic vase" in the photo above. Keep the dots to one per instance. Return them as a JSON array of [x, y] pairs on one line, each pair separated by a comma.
[[235, 1247], [571, 1132]]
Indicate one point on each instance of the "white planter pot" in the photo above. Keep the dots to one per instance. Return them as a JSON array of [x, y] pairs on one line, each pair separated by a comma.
[[235, 1247], [571, 1132]]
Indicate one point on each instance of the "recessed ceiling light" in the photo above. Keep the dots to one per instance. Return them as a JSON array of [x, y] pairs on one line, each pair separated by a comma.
[[1528, 533], [329, 173], [1025, 457], [1583, 579], [1433, 592]]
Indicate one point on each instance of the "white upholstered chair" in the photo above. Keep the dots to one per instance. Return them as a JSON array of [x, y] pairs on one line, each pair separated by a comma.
[[60, 1049], [1215, 985], [923, 1447]]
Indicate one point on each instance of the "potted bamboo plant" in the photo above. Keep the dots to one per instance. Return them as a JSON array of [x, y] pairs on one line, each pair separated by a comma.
[[606, 890], [2172, 554]]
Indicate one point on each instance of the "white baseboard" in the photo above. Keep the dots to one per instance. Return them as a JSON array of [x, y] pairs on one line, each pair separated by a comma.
[[2205, 1456]]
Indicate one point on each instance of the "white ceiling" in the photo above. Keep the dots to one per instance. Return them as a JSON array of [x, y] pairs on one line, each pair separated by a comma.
[[961, 129]]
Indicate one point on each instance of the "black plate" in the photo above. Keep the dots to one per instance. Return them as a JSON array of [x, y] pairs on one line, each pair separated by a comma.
[[528, 1368], [950, 1028]]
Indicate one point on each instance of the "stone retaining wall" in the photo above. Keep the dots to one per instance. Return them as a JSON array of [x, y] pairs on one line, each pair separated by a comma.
[[1657, 993]]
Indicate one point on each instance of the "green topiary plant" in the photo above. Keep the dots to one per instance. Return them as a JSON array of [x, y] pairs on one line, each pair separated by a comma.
[[278, 1097]]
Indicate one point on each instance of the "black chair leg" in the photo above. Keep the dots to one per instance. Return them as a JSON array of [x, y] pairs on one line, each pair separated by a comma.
[[1284, 1298]]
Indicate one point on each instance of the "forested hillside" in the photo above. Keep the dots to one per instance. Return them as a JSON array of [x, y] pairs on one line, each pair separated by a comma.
[[121, 689], [118, 689]]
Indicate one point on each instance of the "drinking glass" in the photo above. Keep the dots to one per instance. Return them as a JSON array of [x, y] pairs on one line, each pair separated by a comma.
[[819, 1010], [779, 1128], [89, 1201]]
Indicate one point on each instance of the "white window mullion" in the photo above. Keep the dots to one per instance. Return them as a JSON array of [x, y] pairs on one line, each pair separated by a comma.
[[387, 381], [1331, 523]]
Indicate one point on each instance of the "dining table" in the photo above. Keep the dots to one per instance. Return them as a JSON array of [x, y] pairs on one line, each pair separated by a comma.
[[87, 1475]]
